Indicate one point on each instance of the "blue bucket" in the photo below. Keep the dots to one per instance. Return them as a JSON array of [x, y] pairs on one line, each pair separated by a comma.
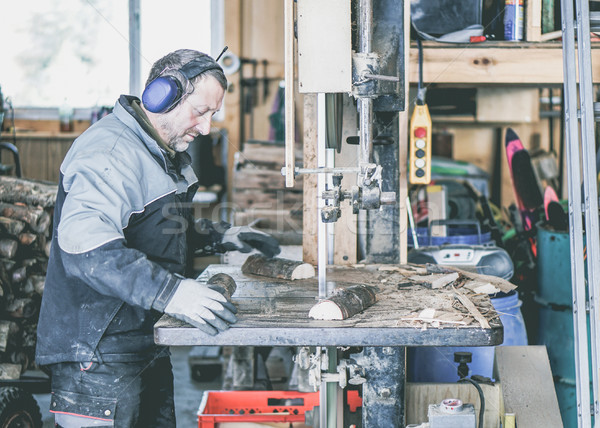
[[436, 364]]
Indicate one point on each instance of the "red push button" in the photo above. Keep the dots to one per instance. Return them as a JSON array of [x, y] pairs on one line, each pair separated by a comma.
[[420, 132]]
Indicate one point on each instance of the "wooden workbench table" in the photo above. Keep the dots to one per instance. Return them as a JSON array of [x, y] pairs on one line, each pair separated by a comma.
[[275, 313]]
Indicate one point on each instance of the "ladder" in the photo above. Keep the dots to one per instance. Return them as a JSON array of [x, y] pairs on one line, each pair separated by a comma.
[[583, 199]]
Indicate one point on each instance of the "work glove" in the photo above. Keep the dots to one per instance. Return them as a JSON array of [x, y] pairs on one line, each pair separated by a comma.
[[245, 238], [202, 306]]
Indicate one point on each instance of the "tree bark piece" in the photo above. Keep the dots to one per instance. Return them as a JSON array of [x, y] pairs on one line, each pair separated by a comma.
[[275, 267], [345, 303], [225, 282]]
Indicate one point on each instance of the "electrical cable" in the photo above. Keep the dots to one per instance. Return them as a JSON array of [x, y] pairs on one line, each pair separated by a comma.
[[481, 399], [421, 91]]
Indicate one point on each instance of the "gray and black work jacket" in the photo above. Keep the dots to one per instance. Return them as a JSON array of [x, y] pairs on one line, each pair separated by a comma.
[[119, 238]]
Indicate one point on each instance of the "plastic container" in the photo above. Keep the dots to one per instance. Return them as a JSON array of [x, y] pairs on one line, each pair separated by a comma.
[[467, 232], [553, 267], [513, 20], [65, 116], [436, 364], [555, 316], [260, 406]]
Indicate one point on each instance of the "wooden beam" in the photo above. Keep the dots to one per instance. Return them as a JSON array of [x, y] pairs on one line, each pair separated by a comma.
[[345, 244], [403, 130], [233, 39], [309, 216]]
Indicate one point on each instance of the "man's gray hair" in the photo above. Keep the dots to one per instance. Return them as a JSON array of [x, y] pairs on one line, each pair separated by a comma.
[[172, 62]]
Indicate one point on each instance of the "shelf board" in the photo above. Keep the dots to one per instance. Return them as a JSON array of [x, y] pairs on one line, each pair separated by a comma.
[[519, 63]]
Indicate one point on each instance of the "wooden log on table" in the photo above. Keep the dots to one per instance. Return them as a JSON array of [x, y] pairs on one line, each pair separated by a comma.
[[225, 283], [275, 267], [345, 303]]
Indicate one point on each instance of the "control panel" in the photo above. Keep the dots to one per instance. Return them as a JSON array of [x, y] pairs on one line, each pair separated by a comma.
[[420, 146]]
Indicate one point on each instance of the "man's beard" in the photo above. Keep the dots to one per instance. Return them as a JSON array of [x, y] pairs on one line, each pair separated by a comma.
[[173, 140], [178, 144]]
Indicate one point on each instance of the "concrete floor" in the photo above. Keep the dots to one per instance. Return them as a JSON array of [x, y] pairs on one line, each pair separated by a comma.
[[188, 393]]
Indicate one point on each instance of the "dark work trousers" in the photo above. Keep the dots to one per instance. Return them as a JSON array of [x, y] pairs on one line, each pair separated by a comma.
[[127, 395]]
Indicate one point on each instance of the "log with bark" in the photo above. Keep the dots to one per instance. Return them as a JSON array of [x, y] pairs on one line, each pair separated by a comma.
[[344, 303], [276, 267], [224, 283]]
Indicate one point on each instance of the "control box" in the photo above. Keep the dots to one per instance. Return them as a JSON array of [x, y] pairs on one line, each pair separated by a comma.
[[420, 146], [451, 413]]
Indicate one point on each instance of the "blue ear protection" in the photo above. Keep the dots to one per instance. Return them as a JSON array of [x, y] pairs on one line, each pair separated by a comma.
[[164, 92]]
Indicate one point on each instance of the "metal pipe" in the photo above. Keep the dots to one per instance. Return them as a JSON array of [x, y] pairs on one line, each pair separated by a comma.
[[330, 226], [290, 142], [365, 25], [592, 224], [365, 105], [381, 77], [575, 218], [135, 57], [325, 170]]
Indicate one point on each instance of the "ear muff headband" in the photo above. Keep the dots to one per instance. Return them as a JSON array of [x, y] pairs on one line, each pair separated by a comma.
[[164, 92]]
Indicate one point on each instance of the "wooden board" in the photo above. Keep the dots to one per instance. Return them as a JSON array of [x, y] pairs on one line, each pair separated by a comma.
[[254, 178], [345, 244], [41, 153], [534, 64], [310, 217], [527, 386], [533, 21], [508, 105]]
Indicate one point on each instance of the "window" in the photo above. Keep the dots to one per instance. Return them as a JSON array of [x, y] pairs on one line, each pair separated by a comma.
[[78, 50]]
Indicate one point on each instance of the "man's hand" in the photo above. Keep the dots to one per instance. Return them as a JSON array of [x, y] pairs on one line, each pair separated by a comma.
[[201, 306], [244, 238]]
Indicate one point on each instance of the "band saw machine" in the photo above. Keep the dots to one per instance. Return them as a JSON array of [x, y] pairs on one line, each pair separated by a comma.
[[359, 64]]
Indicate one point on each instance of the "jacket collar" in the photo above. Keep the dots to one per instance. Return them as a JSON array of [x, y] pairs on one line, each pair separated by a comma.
[[127, 110]]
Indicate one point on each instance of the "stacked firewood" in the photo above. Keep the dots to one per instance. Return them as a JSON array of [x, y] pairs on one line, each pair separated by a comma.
[[259, 195], [26, 208]]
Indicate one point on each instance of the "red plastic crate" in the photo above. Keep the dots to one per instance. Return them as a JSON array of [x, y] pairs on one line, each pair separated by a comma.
[[259, 406]]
